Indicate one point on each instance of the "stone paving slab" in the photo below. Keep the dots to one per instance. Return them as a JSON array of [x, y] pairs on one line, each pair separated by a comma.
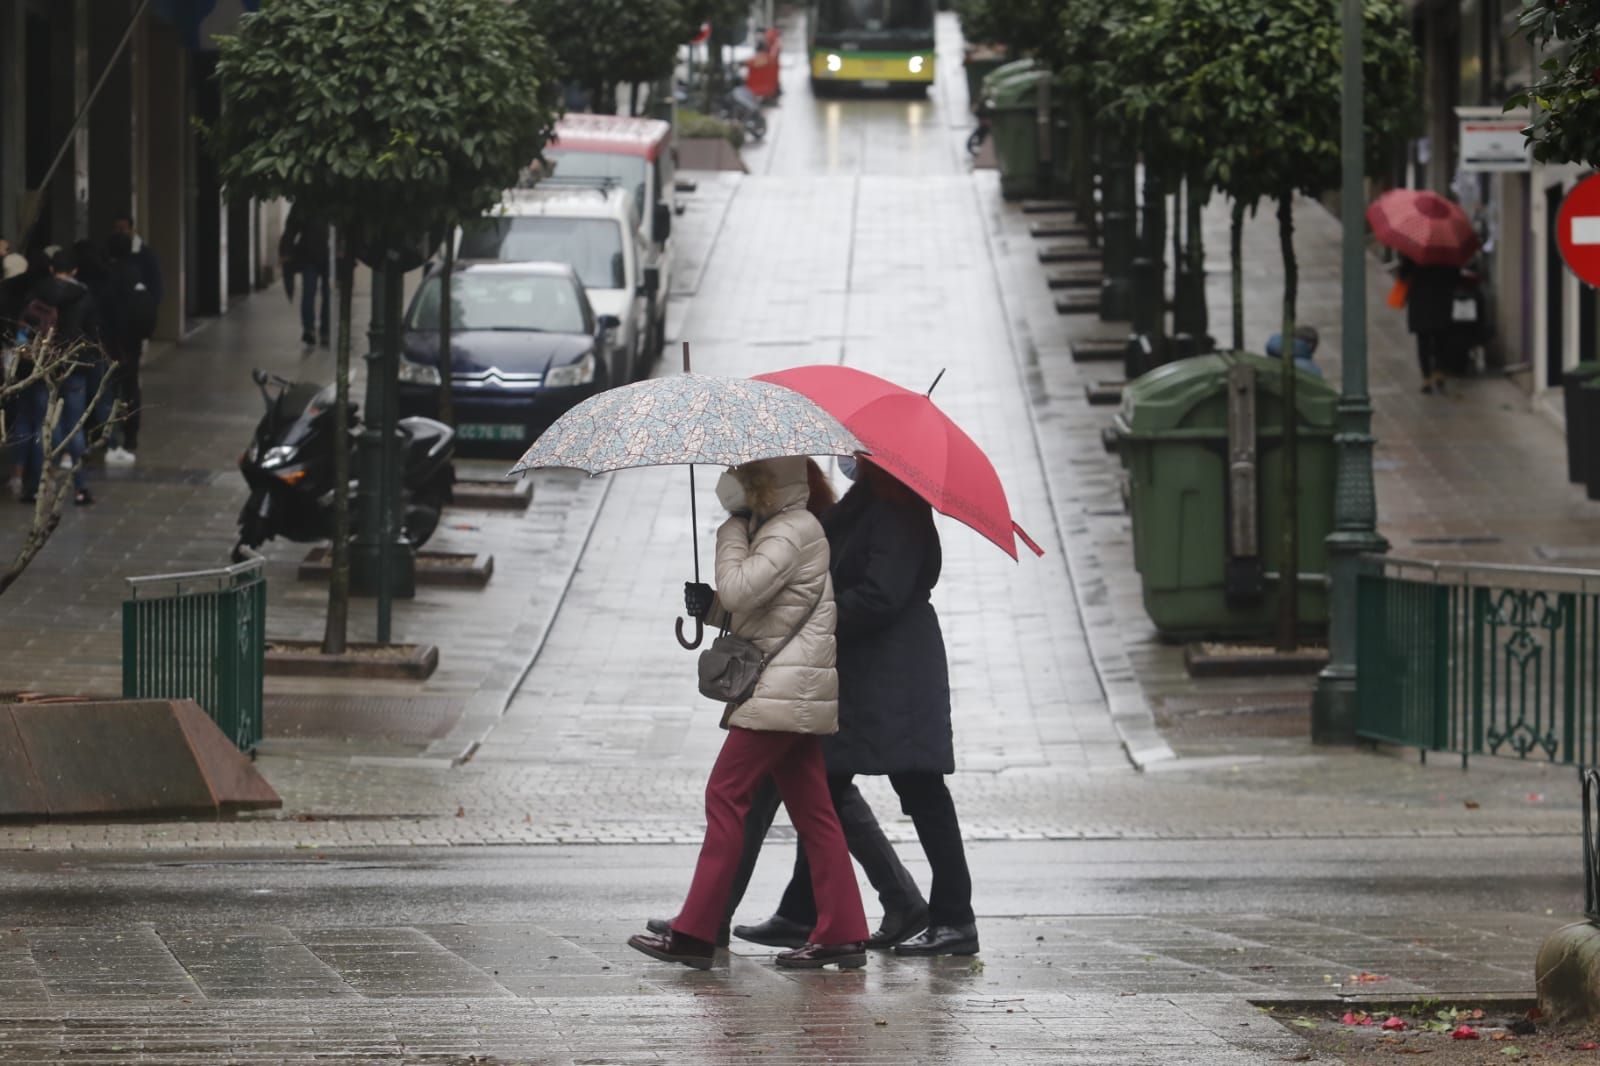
[[1106, 989]]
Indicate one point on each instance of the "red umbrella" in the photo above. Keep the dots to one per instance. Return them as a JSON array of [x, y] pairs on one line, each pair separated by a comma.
[[1424, 227], [912, 439]]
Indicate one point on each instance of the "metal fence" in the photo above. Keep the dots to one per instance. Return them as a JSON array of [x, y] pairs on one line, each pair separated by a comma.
[[200, 636], [1479, 659]]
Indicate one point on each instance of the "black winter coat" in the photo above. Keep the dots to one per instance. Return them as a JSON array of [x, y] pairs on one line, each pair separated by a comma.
[[894, 682], [1429, 300]]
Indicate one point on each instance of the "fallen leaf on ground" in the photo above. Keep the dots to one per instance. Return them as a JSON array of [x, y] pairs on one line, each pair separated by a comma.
[[1352, 1017], [461, 812], [1470, 805], [1303, 1023], [1464, 1032], [1394, 1023], [1477, 1012], [1587, 1045], [880, 1021], [1365, 978]]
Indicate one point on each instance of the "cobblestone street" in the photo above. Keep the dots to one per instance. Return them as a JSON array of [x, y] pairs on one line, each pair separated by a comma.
[[459, 862]]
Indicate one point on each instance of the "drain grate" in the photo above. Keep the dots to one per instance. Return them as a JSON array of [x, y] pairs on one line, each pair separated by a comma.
[[1465, 540]]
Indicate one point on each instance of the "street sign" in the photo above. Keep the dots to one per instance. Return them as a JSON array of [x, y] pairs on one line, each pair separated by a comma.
[[1492, 140], [1578, 229]]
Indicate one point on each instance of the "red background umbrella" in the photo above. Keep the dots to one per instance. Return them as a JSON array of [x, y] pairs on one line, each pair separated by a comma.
[[1423, 226], [907, 435]]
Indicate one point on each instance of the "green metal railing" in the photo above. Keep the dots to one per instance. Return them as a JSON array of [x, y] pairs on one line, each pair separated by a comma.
[[200, 636], [1478, 659]]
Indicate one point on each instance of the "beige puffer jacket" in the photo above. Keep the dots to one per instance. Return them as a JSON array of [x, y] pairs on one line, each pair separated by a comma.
[[766, 581]]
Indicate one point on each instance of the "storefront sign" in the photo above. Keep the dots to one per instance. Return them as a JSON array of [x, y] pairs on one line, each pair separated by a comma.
[[1492, 140]]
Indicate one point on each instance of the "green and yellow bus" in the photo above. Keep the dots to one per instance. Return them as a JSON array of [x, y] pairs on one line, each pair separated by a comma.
[[879, 43]]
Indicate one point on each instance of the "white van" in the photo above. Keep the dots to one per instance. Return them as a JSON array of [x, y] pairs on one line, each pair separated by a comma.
[[592, 226], [638, 153]]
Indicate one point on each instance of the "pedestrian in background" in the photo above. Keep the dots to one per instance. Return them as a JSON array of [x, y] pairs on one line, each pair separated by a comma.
[[94, 271], [60, 311], [1305, 349], [773, 590], [1429, 294], [305, 250], [144, 257], [903, 905], [127, 322], [894, 701]]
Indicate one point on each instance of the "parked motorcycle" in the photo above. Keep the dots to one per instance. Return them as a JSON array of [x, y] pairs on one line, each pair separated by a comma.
[[289, 467]]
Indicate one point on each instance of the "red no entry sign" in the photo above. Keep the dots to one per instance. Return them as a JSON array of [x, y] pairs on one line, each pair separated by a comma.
[[1578, 230]]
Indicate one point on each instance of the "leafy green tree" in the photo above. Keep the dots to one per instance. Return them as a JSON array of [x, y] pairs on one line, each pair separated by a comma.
[[388, 120], [1566, 98], [1024, 27], [1270, 91], [605, 43]]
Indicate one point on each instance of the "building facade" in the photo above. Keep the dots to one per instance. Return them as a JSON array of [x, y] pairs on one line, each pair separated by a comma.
[[102, 109]]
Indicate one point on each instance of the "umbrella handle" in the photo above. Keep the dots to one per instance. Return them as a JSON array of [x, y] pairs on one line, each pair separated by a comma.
[[699, 633]]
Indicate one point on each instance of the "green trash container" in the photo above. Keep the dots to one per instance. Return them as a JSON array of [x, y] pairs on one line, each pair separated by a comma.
[[1172, 437], [1005, 71], [1014, 123], [1580, 445], [978, 65]]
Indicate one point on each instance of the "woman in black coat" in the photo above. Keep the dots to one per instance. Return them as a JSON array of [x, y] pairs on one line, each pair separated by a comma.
[[1430, 300], [894, 691]]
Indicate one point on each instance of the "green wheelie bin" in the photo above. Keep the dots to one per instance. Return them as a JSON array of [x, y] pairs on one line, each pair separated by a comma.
[[1201, 442], [1013, 103]]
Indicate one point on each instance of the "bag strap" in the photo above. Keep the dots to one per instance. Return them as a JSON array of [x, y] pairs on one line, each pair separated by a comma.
[[795, 632]]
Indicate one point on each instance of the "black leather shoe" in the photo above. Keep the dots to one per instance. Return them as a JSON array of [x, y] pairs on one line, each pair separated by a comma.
[[897, 927], [675, 947], [775, 932], [851, 956], [942, 940], [662, 927]]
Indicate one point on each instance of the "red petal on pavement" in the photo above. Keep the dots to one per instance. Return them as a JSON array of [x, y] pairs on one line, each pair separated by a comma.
[[1464, 1032], [1394, 1023], [1587, 1046]]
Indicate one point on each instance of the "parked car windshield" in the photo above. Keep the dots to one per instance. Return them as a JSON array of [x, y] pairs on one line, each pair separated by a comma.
[[543, 302], [591, 246], [630, 170]]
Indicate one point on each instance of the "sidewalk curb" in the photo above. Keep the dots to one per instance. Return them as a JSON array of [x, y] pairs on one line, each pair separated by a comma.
[[486, 709], [1131, 716]]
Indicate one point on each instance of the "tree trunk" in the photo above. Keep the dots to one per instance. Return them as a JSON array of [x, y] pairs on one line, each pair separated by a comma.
[[447, 399], [1289, 557], [1236, 262], [1199, 319], [633, 99], [336, 629]]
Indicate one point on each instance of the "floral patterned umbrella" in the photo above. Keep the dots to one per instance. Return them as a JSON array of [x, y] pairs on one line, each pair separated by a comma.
[[687, 418]]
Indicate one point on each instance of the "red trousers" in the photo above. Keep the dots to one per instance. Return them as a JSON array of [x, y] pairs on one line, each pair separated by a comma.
[[795, 762]]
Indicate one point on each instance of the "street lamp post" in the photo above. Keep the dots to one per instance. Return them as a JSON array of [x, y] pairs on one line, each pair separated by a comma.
[[1355, 513]]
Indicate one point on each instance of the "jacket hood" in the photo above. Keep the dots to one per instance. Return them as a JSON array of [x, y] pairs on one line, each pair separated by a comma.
[[61, 292], [774, 485]]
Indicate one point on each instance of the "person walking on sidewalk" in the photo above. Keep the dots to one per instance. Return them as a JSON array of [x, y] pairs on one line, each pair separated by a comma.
[[129, 318], [773, 590], [144, 257], [62, 310], [905, 911], [305, 250], [894, 705], [1429, 299]]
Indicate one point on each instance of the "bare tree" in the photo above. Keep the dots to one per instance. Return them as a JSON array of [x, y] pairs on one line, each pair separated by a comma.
[[50, 365]]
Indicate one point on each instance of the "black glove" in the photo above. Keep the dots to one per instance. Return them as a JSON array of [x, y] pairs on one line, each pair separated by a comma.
[[697, 598]]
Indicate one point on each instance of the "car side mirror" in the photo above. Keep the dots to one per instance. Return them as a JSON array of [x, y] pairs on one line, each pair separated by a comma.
[[663, 221], [608, 323], [652, 280], [258, 376]]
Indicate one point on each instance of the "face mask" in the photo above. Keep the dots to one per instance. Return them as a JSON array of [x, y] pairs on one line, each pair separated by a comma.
[[847, 466], [731, 493]]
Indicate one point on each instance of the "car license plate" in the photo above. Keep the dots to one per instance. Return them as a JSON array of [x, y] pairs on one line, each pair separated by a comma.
[[874, 83], [491, 431]]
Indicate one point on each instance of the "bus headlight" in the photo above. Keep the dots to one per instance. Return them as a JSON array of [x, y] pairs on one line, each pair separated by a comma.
[[915, 63], [835, 64]]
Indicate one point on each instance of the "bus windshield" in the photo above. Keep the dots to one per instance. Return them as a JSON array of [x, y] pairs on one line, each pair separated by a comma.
[[872, 16]]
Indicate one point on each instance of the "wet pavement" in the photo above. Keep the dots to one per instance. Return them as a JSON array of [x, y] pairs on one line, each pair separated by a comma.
[[411, 906]]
